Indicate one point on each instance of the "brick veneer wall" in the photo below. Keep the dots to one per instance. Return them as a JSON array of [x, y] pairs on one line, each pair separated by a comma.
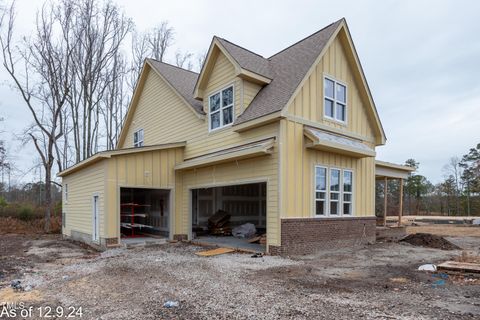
[[308, 235]]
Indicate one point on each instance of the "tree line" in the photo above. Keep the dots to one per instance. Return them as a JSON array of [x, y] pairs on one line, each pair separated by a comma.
[[458, 194], [76, 72]]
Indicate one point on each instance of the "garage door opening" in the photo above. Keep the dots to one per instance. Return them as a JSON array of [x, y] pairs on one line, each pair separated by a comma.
[[144, 213], [231, 216]]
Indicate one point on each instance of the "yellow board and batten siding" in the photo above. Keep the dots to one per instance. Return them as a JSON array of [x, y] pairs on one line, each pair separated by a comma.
[[150, 170], [298, 162]]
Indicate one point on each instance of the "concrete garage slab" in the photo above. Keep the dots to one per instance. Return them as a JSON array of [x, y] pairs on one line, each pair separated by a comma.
[[230, 242]]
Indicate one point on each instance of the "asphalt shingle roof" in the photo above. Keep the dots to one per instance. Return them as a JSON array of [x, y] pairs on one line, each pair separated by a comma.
[[182, 80], [286, 69]]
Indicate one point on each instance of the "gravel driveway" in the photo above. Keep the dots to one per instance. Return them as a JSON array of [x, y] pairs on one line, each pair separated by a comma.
[[373, 282]]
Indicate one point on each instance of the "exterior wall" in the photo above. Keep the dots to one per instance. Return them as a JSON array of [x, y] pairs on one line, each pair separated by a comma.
[[310, 235], [297, 175], [308, 103], [259, 169], [82, 185], [152, 169], [250, 90], [165, 118]]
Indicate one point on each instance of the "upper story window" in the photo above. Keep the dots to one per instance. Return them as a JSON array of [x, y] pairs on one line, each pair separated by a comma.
[[333, 192], [335, 100], [220, 106], [138, 138]]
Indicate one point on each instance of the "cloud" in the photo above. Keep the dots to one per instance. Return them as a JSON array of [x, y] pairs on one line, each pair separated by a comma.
[[421, 60]]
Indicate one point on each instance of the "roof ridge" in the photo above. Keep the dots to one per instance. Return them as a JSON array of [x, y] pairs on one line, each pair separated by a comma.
[[172, 65], [305, 38], [257, 54]]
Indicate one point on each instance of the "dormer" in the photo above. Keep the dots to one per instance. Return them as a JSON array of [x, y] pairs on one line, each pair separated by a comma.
[[229, 80]]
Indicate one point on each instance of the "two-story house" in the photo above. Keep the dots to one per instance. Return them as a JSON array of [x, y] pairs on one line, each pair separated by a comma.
[[286, 143]]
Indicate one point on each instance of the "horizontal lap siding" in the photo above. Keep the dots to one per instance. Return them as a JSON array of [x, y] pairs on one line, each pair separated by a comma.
[[79, 207], [250, 90], [308, 103], [165, 118], [162, 115], [298, 175]]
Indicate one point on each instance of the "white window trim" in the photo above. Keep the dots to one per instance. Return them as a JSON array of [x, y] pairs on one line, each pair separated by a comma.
[[139, 143], [325, 200], [65, 192], [339, 192], [351, 193], [334, 118], [221, 108], [327, 196]]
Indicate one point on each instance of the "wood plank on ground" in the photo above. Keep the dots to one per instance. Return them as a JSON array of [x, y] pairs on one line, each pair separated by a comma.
[[214, 252], [459, 266]]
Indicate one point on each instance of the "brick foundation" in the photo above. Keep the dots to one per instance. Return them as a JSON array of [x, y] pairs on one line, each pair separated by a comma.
[[301, 236]]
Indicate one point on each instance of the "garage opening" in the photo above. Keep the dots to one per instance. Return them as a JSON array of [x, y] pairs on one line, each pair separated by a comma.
[[144, 213], [231, 216]]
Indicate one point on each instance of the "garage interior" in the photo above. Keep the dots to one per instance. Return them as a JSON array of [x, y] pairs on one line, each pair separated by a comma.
[[144, 213], [218, 212]]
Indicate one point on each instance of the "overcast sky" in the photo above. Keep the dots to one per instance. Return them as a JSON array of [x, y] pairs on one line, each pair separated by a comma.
[[421, 60]]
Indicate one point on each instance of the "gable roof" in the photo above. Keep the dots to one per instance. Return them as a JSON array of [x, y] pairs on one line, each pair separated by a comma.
[[182, 80], [289, 67], [281, 74], [247, 59]]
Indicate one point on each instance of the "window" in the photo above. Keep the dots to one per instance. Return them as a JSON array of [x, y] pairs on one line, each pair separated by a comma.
[[335, 100], [320, 191], [138, 138], [221, 108], [347, 192], [66, 192], [333, 191]]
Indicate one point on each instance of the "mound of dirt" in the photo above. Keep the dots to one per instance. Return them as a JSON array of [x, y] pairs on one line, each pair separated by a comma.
[[430, 241]]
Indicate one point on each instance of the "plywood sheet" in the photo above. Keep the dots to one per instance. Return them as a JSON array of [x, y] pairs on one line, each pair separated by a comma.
[[460, 266], [214, 252]]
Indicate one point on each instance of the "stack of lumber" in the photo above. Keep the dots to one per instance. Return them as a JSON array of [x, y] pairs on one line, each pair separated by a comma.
[[219, 224], [262, 239]]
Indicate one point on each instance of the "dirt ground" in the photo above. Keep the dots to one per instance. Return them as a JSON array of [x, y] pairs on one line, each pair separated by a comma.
[[378, 281], [446, 230]]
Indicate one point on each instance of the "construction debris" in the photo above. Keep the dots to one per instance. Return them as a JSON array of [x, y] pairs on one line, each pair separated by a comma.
[[244, 231], [219, 224], [171, 304], [214, 252], [428, 267], [430, 241], [460, 266], [259, 239]]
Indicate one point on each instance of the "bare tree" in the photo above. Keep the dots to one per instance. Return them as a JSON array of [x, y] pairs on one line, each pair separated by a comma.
[[160, 39], [115, 100], [201, 60], [43, 81], [100, 31], [183, 60], [151, 44]]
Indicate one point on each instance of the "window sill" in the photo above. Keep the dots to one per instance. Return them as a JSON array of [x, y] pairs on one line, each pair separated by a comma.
[[220, 129], [335, 121]]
